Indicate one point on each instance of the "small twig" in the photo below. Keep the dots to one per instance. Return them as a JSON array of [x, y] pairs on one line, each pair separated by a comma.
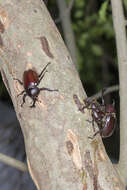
[[67, 11], [107, 91], [13, 162], [70, 5]]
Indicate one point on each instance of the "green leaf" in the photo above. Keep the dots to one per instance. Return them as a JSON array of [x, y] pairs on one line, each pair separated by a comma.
[[102, 11], [96, 50], [125, 3], [78, 13], [79, 3]]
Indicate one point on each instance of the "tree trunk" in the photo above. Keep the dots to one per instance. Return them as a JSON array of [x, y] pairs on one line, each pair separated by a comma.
[[60, 155], [121, 42]]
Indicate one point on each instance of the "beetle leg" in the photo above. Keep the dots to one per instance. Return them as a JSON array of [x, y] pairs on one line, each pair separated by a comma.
[[89, 121], [95, 134], [24, 97], [78, 103], [93, 125], [20, 82], [86, 107], [21, 93], [92, 121], [48, 89], [82, 108], [34, 101]]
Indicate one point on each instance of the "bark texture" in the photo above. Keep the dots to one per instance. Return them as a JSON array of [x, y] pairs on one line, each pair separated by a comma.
[[60, 155]]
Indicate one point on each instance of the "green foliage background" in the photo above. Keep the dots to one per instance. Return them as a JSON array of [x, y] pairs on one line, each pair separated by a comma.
[[95, 42], [95, 39]]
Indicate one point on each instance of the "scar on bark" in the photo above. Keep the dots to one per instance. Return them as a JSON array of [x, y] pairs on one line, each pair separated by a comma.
[[73, 149], [2, 29], [92, 170], [1, 42], [70, 147], [45, 46]]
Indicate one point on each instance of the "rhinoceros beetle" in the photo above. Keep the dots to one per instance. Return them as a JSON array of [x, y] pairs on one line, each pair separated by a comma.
[[31, 80], [103, 115]]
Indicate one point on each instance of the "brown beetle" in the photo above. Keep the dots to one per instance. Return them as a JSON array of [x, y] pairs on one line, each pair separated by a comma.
[[31, 80]]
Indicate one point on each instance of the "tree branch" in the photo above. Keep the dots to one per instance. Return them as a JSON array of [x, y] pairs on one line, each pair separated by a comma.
[[121, 42], [13, 162], [65, 19], [71, 3], [107, 91]]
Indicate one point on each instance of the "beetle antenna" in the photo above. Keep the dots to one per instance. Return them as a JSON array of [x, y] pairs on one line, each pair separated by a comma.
[[43, 70], [41, 77]]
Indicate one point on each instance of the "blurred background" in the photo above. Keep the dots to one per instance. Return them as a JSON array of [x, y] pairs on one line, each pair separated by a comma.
[[87, 29]]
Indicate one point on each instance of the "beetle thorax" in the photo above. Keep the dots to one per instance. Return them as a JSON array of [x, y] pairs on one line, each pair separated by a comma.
[[33, 90]]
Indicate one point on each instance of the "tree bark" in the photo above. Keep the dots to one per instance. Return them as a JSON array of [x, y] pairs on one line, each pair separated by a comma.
[[60, 155], [121, 42]]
